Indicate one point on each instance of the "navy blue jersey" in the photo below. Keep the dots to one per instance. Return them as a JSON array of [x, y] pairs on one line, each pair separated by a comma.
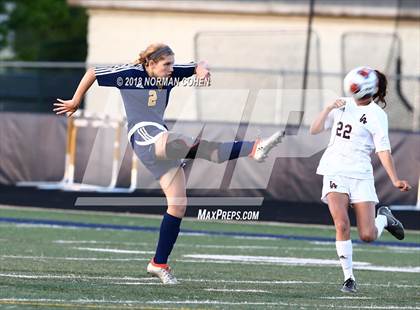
[[145, 98]]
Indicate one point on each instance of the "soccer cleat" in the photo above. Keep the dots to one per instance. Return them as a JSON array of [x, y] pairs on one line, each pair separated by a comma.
[[162, 271], [394, 226], [349, 286], [263, 146]]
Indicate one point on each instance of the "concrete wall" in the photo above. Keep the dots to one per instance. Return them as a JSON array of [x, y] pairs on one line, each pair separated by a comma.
[[117, 36]]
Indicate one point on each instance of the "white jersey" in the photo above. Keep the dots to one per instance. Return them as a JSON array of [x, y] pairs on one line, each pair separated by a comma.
[[356, 132]]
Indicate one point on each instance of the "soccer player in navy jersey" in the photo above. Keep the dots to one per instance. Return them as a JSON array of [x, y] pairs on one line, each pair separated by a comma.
[[145, 86]]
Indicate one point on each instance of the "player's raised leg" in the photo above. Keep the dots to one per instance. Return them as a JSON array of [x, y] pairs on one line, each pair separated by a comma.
[[390, 222], [176, 146]]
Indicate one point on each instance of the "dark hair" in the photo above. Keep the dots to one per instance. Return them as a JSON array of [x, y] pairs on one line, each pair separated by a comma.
[[382, 85]]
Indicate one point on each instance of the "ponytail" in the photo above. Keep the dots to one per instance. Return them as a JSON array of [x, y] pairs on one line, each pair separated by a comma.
[[153, 52], [382, 85]]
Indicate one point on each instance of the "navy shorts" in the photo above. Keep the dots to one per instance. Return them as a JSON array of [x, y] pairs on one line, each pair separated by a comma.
[[147, 155]]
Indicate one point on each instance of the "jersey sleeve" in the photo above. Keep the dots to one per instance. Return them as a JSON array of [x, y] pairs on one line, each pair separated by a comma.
[[113, 76], [184, 71], [379, 131], [329, 121]]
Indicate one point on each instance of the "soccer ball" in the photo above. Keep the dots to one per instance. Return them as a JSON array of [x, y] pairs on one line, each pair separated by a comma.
[[361, 82]]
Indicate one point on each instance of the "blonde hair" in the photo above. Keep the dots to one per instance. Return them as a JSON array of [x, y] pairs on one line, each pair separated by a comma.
[[155, 52]]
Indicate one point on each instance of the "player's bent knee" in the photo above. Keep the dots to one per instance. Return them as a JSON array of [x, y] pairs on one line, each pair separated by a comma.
[[367, 236], [342, 227], [173, 146], [177, 202], [177, 210]]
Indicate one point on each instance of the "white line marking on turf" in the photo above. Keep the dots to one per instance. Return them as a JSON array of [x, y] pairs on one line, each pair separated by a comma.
[[284, 261], [270, 259], [72, 276], [136, 302], [327, 243], [98, 242], [77, 258], [328, 246], [135, 283], [215, 302], [241, 247], [296, 261], [198, 302], [269, 282], [113, 250], [347, 297], [408, 269], [236, 291], [254, 238], [210, 246], [24, 225]]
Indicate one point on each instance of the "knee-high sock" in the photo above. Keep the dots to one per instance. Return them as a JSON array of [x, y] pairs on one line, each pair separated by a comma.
[[345, 254], [232, 150], [169, 230], [212, 151], [380, 222]]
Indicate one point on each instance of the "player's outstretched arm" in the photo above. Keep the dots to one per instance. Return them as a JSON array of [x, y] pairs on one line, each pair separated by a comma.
[[68, 107], [202, 70], [388, 163], [318, 124]]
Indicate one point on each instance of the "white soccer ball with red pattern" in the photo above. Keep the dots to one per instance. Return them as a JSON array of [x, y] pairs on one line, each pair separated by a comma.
[[361, 82]]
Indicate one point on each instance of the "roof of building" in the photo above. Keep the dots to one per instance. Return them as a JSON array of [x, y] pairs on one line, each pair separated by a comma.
[[405, 9]]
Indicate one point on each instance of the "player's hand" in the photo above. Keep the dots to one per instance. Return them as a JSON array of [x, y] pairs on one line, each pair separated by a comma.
[[336, 104], [202, 70], [402, 185], [67, 107]]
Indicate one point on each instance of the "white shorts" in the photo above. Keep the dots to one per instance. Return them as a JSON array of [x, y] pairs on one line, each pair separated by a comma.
[[359, 190]]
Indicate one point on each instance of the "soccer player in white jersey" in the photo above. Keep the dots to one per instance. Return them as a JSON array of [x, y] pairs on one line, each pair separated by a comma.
[[161, 150], [358, 126]]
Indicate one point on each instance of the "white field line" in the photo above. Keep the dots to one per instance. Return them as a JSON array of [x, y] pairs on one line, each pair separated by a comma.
[[296, 261], [408, 269], [72, 277], [136, 283], [254, 238], [235, 291], [210, 246], [76, 258], [137, 302], [197, 302], [272, 259], [326, 243], [328, 246], [113, 250], [99, 242], [198, 234], [25, 225], [238, 259], [402, 249], [134, 280], [217, 302], [348, 297]]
